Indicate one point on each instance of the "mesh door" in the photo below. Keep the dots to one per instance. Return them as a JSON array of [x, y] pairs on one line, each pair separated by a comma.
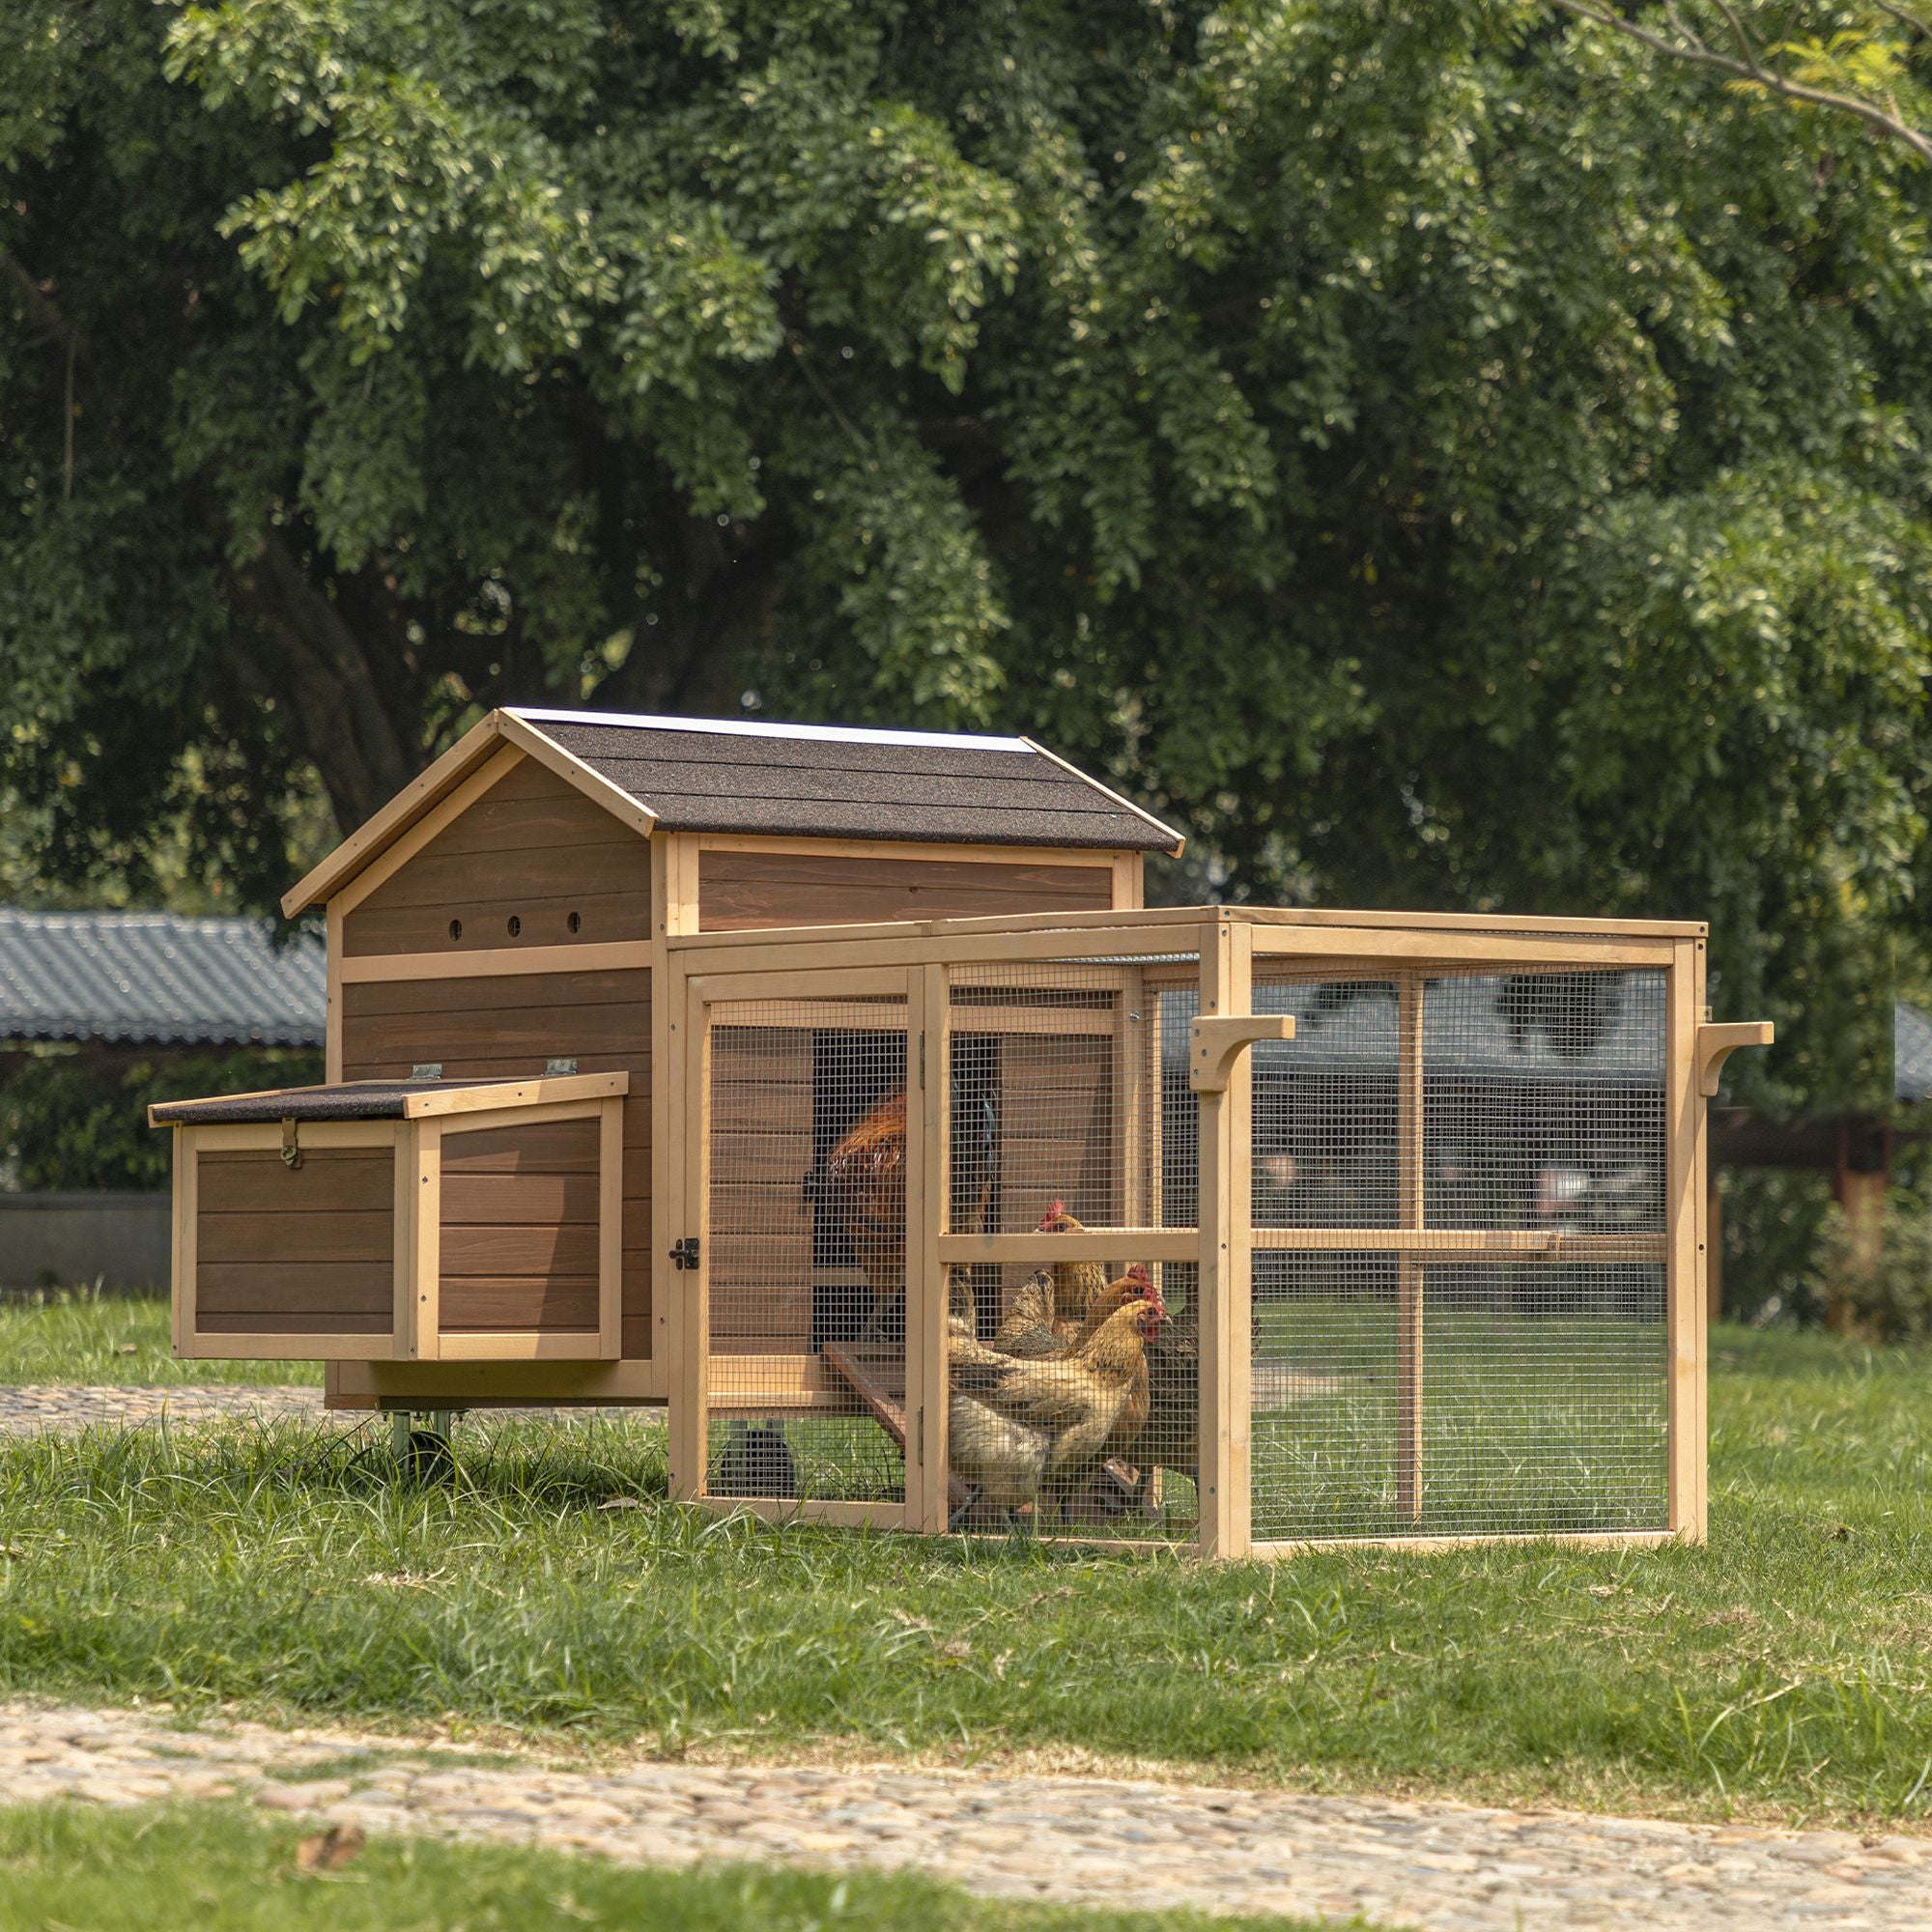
[[1071, 1112], [808, 1249], [1459, 1277]]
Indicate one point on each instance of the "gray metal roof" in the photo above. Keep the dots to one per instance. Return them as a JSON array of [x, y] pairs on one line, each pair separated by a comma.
[[157, 978], [832, 781], [1599, 1029], [1911, 1053]]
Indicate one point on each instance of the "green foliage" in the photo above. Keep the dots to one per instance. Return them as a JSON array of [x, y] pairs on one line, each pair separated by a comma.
[[1774, 1221], [1445, 455], [220, 1868], [1777, 1670], [1881, 1275], [73, 1120]]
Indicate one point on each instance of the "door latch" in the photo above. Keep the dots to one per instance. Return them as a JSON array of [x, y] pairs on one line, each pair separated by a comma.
[[684, 1252]]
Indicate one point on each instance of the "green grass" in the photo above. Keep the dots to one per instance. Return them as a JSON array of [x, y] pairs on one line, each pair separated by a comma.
[[1531, 1425], [1782, 1670], [213, 1868], [74, 1335]]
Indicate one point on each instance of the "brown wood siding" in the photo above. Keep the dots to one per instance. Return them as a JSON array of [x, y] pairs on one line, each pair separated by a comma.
[[519, 1229], [760, 1226], [741, 889], [295, 1250], [506, 1026], [1058, 1133], [531, 848]]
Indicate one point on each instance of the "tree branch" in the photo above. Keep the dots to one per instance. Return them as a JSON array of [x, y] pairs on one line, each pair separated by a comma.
[[1905, 19], [1691, 50]]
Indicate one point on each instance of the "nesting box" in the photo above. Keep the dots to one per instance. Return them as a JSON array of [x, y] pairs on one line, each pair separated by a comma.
[[415, 1220], [1394, 1222]]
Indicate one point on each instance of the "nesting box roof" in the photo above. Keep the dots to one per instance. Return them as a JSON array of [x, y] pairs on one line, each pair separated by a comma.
[[799, 780]]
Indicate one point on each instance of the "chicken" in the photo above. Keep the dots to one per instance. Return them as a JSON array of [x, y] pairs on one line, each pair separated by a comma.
[[859, 1188], [1000, 1457], [1094, 1401], [1029, 1317], [1032, 1330], [1076, 1283], [1172, 1439], [962, 1326]]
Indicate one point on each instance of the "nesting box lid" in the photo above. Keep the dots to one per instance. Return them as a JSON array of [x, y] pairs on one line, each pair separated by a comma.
[[413, 1099]]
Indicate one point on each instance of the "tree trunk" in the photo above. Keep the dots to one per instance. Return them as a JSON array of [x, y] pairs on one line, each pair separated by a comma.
[[323, 674]]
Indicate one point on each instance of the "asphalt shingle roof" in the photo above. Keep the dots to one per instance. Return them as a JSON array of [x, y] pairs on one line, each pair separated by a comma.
[[827, 781], [157, 978]]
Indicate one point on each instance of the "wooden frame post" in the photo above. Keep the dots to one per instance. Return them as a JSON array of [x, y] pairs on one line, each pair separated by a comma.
[[688, 1323], [1686, 1317], [1225, 1273], [928, 1201], [1410, 1275]]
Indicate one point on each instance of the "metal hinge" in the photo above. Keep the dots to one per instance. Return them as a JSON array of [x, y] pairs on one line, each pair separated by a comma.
[[922, 1063], [684, 1254], [292, 1153], [922, 1436]]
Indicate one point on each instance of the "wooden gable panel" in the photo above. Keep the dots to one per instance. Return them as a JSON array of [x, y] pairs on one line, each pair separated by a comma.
[[531, 849]]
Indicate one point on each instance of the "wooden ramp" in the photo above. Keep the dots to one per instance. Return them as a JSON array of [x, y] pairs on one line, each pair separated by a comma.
[[878, 1380]]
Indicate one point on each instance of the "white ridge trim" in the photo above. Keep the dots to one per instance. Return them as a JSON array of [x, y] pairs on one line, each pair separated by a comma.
[[742, 728]]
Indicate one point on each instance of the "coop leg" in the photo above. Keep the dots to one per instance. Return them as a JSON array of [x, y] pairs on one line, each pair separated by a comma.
[[399, 1435]]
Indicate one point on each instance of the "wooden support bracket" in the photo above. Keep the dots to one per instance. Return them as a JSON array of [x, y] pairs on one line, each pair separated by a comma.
[[1213, 1044], [1717, 1043]]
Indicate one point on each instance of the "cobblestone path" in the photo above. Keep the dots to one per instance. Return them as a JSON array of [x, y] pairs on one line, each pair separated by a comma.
[[35, 1407], [1445, 1867]]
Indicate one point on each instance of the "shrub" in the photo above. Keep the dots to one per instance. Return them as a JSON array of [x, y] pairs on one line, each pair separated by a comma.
[[1884, 1282]]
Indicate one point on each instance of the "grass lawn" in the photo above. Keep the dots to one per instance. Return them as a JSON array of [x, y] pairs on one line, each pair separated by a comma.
[[72, 1335], [213, 1868], [1782, 1672]]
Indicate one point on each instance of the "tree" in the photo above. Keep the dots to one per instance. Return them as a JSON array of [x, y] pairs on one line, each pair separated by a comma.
[[1450, 455]]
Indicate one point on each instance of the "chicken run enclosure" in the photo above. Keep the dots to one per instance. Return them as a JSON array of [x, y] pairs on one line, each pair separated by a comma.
[[1236, 1228], [833, 1091]]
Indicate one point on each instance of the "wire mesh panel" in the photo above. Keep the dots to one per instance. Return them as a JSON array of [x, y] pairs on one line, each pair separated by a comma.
[[806, 1235], [1459, 1281], [1325, 1105], [1543, 1102], [1543, 1407], [1324, 1396], [1074, 1379], [1545, 1398]]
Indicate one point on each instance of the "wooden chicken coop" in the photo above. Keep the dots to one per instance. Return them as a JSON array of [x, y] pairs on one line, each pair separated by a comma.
[[835, 1090]]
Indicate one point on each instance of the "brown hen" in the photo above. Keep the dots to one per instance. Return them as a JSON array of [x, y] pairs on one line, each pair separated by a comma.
[[1093, 1401], [860, 1189]]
